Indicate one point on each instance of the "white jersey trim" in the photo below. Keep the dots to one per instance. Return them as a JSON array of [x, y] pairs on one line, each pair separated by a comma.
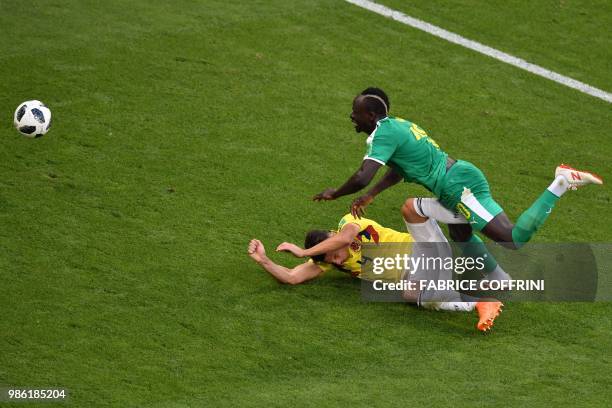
[[373, 159], [472, 203]]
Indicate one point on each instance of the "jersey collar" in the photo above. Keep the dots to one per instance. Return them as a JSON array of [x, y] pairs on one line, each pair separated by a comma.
[[377, 124]]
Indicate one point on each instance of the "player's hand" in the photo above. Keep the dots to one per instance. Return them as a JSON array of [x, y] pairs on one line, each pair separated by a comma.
[[325, 195], [359, 205], [291, 248], [256, 250]]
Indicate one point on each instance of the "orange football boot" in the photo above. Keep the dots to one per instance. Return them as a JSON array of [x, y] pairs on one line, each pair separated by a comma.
[[487, 312]]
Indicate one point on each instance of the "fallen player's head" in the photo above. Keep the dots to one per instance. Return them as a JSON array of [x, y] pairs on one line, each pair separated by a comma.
[[368, 107], [336, 257]]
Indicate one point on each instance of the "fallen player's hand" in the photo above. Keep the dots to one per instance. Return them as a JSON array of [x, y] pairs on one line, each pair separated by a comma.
[[256, 250], [291, 248], [325, 195], [359, 205]]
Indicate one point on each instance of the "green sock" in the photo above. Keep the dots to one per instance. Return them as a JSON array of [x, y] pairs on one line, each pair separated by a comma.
[[475, 248], [529, 222]]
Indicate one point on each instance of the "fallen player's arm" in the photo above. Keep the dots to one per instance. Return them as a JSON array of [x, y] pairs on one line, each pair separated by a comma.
[[362, 177], [336, 241], [291, 276]]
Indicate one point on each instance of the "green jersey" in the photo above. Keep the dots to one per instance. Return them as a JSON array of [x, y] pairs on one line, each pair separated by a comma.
[[407, 149]]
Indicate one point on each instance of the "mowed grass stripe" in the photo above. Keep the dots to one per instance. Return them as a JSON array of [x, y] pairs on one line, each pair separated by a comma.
[[483, 49]]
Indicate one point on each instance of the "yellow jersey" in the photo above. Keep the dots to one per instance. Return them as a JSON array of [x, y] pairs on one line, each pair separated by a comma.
[[370, 232]]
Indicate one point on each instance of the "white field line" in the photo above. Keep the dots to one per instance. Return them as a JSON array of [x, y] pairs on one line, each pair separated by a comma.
[[481, 48]]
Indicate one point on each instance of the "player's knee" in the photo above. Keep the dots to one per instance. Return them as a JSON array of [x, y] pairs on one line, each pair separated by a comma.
[[511, 244], [408, 209], [507, 241], [411, 296], [410, 214], [500, 230]]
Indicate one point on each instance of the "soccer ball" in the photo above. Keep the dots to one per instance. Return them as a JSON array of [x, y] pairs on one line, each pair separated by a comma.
[[32, 118]]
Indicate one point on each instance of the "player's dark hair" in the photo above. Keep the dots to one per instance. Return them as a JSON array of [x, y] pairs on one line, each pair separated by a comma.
[[313, 238], [373, 104]]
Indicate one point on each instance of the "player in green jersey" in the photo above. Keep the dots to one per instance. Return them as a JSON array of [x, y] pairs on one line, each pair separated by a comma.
[[463, 197]]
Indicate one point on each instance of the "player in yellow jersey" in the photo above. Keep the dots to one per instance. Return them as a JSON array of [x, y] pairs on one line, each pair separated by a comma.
[[341, 249]]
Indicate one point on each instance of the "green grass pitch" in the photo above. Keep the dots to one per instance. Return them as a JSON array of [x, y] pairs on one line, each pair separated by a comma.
[[183, 129]]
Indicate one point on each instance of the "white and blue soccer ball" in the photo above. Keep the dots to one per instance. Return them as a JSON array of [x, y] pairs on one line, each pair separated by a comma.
[[32, 118]]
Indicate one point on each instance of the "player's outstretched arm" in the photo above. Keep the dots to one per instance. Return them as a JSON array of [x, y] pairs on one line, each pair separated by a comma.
[[358, 181], [391, 178], [293, 276]]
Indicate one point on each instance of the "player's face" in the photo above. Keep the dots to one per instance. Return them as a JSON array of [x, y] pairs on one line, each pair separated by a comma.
[[362, 119], [337, 257]]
